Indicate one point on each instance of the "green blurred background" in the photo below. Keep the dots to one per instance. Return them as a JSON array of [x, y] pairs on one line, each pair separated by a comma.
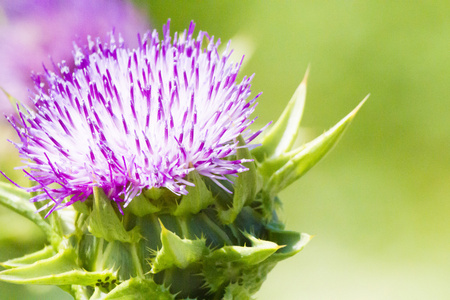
[[379, 203]]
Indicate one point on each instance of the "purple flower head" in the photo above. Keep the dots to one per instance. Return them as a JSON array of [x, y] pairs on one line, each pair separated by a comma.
[[127, 120], [30, 30]]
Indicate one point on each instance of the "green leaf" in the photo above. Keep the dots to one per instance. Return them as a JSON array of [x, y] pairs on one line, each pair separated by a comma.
[[245, 186], [308, 155], [198, 197], [19, 201], [292, 241], [246, 279], [137, 289], [104, 222], [28, 259], [177, 252], [60, 269], [282, 135], [245, 255]]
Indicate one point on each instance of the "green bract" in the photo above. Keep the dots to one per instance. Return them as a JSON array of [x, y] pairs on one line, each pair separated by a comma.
[[208, 244]]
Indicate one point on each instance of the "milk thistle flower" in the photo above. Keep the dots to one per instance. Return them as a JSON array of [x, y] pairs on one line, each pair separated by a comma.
[[132, 120], [151, 152]]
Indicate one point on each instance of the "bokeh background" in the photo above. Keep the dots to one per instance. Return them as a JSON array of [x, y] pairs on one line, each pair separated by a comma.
[[379, 203]]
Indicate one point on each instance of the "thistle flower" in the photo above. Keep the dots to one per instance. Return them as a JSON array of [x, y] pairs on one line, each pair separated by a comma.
[[36, 29], [149, 149], [132, 120]]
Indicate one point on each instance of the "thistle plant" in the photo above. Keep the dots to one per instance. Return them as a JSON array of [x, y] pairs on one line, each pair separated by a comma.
[[148, 182]]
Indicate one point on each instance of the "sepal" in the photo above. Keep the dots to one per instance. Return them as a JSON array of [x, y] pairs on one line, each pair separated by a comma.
[[293, 242], [198, 197], [142, 206], [245, 185], [103, 221], [138, 288], [227, 264], [305, 157], [282, 135], [121, 257], [177, 252]]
